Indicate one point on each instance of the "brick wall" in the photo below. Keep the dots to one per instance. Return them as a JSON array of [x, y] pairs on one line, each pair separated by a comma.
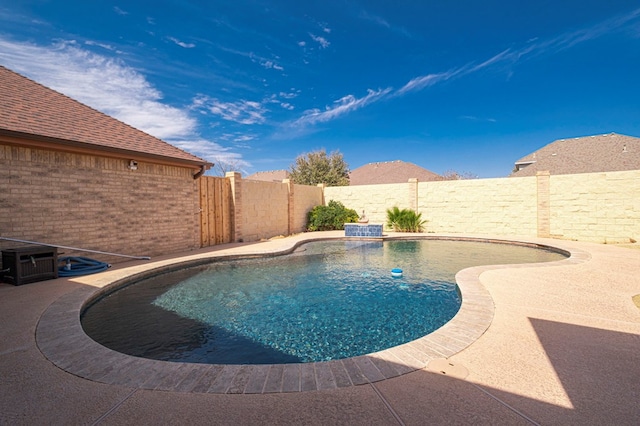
[[598, 207], [96, 203]]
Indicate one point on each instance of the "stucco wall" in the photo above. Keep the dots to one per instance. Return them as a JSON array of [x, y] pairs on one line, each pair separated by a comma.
[[96, 203]]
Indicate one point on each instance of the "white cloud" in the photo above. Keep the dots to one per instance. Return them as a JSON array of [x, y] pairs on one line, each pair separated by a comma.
[[302, 43], [242, 111], [270, 65], [533, 48], [119, 11], [421, 82], [110, 86], [103, 45], [377, 20], [474, 118], [289, 95], [181, 43], [323, 42], [342, 106]]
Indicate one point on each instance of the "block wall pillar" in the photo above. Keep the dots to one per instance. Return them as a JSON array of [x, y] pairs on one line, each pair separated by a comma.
[[322, 186], [543, 180], [413, 194], [236, 194], [291, 211]]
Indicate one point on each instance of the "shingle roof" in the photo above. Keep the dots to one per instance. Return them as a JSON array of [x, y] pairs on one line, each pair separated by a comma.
[[29, 109], [589, 154], [269, 176], [390, 172]]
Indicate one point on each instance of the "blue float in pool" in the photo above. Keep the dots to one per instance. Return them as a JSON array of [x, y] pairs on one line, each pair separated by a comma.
[[396, 272]]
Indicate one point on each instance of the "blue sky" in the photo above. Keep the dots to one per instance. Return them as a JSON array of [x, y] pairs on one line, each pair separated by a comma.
[[448, 85]]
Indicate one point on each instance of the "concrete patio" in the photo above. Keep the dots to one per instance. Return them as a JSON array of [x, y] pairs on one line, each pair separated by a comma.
[[562, 347]]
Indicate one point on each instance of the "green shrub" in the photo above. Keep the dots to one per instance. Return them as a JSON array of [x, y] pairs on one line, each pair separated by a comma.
[[405, 220], [330, 217]]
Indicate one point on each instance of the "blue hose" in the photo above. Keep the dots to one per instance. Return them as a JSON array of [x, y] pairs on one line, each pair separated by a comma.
[[76, 266]]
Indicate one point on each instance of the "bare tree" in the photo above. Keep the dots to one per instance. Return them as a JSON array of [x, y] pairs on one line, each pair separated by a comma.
[[454, 175], [223, 165]]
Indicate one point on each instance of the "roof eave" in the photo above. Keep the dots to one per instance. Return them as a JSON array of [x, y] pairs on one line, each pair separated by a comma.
[[46, 142]]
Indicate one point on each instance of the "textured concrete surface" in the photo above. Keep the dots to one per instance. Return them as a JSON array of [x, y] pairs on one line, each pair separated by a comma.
[[562, 347]]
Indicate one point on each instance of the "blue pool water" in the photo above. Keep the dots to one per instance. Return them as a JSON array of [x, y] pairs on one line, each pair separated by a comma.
[[328, 300]]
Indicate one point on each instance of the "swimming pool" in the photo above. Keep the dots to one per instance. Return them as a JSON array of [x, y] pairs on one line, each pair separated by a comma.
[[326, 301]]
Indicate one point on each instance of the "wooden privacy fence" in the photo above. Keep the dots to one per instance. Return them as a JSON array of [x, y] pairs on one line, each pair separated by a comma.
[[216, 211]]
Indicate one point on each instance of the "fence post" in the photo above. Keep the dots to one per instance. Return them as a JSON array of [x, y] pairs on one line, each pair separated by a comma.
[[236, 194], [291, 211], [413, 194], [322, 186], [543, 182]]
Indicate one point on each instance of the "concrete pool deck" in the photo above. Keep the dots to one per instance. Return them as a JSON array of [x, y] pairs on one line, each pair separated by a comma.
[[562, 347]]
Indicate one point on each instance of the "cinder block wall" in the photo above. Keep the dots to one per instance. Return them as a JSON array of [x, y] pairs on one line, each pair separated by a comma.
[[268, 209], [374, 200], [305, 198], [265, 208], [480, 206], [597, 207], [96, 203]]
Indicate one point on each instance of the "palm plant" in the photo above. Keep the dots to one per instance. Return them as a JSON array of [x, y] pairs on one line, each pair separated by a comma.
[[405, 220]]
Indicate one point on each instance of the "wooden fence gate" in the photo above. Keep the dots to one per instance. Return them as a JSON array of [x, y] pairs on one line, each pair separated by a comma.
[[216, 211]]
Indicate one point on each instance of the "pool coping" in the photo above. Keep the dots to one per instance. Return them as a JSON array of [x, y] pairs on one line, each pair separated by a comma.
[[61, 339]]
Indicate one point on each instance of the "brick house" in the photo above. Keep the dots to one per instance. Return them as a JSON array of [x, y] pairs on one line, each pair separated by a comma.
[[71, 175], [590, 154]]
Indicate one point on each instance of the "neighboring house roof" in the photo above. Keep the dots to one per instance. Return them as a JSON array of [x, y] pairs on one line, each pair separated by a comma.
[[390, 172], [589, 154], [31, 111], [270, 176]]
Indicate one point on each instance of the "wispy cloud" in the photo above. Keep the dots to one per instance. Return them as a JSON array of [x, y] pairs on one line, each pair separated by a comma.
[[242, 111], [268, 64], [535, 47], [103, 45], [421, 82], [181, 43], [278, 99], [341, 107], [474, 118], [381, 22], [119, 11], [107, 85], [323, 42]]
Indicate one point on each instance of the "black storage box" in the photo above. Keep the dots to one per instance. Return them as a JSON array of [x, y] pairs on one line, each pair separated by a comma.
[[29, 264]]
